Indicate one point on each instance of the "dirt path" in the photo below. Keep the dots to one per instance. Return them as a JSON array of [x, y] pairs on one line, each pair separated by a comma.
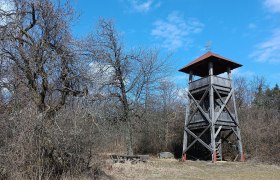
[[173, 169]]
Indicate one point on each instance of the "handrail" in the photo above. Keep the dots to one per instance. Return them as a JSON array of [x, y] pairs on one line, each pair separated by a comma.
[[220, 81], [222, 77], [199, 79], [209, 76]]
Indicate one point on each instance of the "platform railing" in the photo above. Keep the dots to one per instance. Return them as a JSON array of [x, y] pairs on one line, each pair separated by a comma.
[[205, 81]]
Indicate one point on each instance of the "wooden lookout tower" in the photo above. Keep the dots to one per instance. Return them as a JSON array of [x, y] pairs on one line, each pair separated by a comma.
[[211, 115]]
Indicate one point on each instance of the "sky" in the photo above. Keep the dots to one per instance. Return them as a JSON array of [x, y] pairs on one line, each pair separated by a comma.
[[245, 31]]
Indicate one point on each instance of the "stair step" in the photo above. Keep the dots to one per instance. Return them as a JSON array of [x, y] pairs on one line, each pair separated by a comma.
[[218, 155]]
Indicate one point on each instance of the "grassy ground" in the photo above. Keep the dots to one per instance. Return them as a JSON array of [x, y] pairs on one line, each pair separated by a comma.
[[173, 169]]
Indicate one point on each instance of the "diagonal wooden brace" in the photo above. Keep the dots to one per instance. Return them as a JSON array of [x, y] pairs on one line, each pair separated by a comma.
[[196, 109], [230, 114], [218, 131], [223, 106], [199, 107], [198, 139], [226, 108], [236, 134], [227, 136]]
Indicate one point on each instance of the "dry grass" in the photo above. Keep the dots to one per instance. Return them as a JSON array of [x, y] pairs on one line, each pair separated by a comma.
[[173, 169]]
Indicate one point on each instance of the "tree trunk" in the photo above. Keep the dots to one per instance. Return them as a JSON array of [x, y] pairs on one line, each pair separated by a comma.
[[128, 137], [127, 121]]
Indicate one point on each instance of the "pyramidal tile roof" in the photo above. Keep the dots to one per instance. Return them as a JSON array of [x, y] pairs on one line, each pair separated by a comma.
[[200, 65]]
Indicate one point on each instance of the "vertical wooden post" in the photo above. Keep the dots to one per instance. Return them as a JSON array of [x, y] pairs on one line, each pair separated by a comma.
[[190, 76], [185, 140], [239, 143], [221, 147], [210, 68], [212, 112], [229, 72]]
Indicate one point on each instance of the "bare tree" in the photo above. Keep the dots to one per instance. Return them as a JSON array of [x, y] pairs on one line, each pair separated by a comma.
[[128, 72], [36, 42], [243, 96], [41, 66]]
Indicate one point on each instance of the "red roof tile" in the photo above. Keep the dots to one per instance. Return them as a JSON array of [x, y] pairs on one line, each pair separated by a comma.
[[200, 65]]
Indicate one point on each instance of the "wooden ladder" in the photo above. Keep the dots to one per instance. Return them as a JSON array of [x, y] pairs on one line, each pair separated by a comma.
[[219, 156]]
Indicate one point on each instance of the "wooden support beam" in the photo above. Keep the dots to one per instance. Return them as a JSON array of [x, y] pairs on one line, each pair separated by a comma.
[[227, 136], [190, 76], [239, 143], [210, 68], [236, 134], [185, 140], [229, 72], [198, 137], [199, 107], [212, 115], [196, 109], [202, 142], [223, 106], [217, 132]]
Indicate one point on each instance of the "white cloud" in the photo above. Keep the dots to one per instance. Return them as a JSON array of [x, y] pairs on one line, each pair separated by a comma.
[[101, 73], [143, 5], [182, 93], [6, 5], [243, 73], [273, 5], [252, 26], [269, 50], [175, 30]]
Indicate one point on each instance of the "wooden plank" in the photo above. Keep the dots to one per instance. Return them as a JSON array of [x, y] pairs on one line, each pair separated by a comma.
[[199, 83], [225, 124], [224, 82], [132, 158]]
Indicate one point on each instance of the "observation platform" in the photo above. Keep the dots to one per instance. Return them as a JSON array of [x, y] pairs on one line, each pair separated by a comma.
[[197, 87]]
